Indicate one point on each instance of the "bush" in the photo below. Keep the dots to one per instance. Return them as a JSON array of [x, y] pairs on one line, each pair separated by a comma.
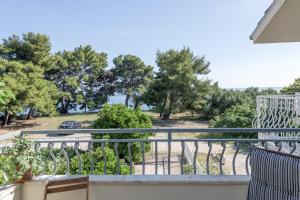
[[2, 170], [20, 158], [96, 155], [119, 116], [238, 116]]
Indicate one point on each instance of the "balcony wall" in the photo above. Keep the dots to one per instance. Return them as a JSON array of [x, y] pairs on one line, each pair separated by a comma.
[[150, 188], [11, 192]]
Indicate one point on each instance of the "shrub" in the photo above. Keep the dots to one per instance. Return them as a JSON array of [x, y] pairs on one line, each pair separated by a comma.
[[96, 155], [119, 116], [188, 169], [3, 167], [238, 116], [19, 159]]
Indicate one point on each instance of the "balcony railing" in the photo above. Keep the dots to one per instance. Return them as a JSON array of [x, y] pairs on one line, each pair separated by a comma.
[[166, 152]]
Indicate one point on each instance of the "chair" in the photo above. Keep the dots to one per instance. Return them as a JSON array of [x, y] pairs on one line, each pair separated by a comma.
[[64, 185], [274, 175]]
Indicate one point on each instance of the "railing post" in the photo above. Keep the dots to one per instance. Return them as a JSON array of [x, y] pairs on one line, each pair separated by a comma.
[[169, 152]]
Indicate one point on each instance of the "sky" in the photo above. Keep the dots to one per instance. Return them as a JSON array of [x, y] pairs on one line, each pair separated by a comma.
[[217, 29]]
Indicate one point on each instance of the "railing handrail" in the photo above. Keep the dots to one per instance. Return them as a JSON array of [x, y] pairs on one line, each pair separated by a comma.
[[174, 159], [161, 130], [163, 140], [10, 135]]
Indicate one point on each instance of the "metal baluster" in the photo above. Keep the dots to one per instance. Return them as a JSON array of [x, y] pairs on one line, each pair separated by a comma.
[[104, 156], [247, 159], [294, 146], [169, 152], [207, 158], [130, 156], [279, 145], [117, 157], [50, 147], [223, 144], [237, 146], [182, 157], [65, 154], [143, 157], [195, 157], [76, 148], [156, 158], [90, 150]]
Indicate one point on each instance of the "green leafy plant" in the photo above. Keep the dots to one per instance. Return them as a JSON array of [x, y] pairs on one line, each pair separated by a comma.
[[20, 161], [188, 169], [86, 162], [5, 94], [97, 156], [119, 116], [238, 116]]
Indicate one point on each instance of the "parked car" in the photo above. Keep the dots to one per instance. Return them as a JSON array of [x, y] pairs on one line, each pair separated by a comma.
[[70, 125]]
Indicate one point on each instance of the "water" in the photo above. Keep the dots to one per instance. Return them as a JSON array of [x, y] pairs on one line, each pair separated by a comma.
[[116, 99]]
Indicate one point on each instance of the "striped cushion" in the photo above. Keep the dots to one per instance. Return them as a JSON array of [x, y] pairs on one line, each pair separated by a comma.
[[274, 176]]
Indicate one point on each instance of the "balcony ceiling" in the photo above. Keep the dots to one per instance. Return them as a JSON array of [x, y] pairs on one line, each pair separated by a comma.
[[281, 23]]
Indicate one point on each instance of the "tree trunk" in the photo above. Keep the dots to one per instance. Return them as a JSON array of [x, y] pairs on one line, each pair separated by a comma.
[[127, 100], [10, 119], [29, 115], [5, 119], [85, 108], [136, 104], [162, 111], [169, 111], [64, 106]]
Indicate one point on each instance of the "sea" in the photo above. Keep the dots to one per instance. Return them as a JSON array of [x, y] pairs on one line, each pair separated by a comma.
[[119, 98]]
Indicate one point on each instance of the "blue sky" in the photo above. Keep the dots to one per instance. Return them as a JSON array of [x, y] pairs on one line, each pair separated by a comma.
[[218, 29]]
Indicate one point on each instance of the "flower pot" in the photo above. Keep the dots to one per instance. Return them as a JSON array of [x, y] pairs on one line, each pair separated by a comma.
[[27, 176]]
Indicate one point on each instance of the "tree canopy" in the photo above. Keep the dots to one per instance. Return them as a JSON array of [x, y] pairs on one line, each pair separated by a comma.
[[293, 88], [33, 47], [133, 76], [82, 77], [29, 88], [5, 94], [177, 79]]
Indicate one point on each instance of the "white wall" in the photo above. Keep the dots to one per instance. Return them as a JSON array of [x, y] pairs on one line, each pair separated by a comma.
[[150, 188]]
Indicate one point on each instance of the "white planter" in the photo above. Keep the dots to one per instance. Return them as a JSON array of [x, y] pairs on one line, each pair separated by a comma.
[[11, 192]]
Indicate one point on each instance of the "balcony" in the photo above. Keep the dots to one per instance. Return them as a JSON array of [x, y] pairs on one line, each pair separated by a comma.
[[169, 165]]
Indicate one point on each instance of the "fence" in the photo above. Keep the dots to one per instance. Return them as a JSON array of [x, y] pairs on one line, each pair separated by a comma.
[[204, 156]]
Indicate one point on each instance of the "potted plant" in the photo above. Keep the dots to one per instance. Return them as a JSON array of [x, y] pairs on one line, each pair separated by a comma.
[[20, 160]]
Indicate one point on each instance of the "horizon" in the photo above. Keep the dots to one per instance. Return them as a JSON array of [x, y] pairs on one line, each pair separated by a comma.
[[142, 28]]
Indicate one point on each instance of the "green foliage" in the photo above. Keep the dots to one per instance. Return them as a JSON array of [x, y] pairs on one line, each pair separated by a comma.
[[5, 95], [214, 161], [17, 159], [3, 166], [177, 80], [86, 158], [97, 156], [21, 69], [119, 116], [81, 76], [133, 76], [238, 116], [33, 47], [293, 88], [188, 169], [29, 87], [219, 100]]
